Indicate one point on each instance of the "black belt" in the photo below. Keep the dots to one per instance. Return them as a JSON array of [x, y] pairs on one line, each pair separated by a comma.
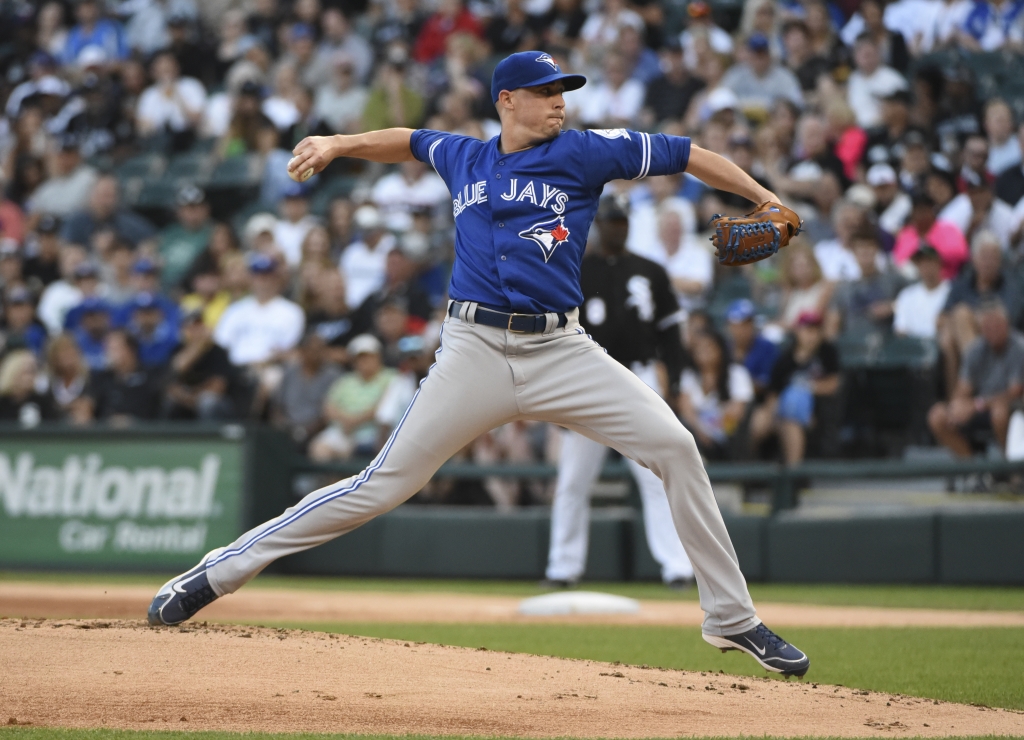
[[519, 323]]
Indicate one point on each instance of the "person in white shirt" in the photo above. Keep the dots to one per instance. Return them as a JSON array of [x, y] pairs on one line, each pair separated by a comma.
[[69, 184], [917, 307], [892, 205], [261, 329], [172, 103], [363, 260], [615, 102], [1003, 146], [643, 213], [294, 224], [702, 26], [413, 187], [688, 264], [979, 210], [870, 82], [340, 102]]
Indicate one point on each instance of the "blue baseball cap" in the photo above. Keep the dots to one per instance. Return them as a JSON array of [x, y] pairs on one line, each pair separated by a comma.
[[144, 301], [262, 264], [529, 69], [740, 310], [144, 266], [93, 304]]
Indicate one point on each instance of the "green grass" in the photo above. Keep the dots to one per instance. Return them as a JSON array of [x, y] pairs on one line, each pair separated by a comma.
[[26, 733], [932, 597], [980, 666]]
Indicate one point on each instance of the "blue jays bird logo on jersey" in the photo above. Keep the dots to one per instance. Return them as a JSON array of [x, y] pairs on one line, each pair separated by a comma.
[[548, 235], [546, 58]]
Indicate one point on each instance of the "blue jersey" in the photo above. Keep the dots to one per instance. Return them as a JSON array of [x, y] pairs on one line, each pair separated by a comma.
[[521, 219]]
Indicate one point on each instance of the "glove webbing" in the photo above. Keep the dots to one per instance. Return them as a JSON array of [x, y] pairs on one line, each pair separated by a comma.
[[737, 232]]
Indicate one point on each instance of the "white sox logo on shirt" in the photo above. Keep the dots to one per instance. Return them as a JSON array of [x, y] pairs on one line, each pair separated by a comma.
[[546, 59], [547, 235]]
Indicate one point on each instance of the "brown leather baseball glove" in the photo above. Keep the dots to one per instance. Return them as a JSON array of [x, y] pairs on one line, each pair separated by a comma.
[[741, 240]]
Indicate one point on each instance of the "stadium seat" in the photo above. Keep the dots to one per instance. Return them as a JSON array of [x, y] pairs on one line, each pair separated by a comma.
[[195, 167], [142, 165]]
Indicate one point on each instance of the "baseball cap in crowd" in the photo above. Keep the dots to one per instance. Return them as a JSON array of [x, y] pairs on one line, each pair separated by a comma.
[[19, 295], [94, 304], [364, 344], [190, 195], [144, 301], [721, 98], [740, 310], [295, 190], [758, 42], [86, 270], [144, 266], [51, 85], [529, 69], [48, 224], [414, 245], [612, 208], [926, 252], [259, 223], [366, 218], [91, 56], [808, 318], [881, 174], [698, 9], [261, 264]]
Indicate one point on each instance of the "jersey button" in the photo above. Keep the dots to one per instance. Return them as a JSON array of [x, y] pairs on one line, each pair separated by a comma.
[[501, 225], [501, 164], [498, 176], [503, 258]]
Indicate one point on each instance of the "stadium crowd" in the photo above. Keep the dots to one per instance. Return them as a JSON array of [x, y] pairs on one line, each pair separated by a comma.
[[316, 306]]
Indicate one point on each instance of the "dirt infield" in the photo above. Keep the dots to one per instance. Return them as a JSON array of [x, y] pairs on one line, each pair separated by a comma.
[[123, 674], [255, 604]]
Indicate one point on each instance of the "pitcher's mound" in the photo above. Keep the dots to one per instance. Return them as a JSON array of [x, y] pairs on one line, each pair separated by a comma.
[[203, 677]]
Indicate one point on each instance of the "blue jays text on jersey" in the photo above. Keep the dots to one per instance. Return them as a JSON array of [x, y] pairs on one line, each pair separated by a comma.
[[522, 219]]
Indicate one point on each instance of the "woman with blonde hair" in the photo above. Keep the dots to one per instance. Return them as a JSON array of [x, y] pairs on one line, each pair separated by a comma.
[[314, 260], [67, 372], [804, 288], [19, 400]]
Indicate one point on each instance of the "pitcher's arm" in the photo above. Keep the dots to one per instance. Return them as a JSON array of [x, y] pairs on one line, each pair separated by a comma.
[[718, 172], [389, 145]]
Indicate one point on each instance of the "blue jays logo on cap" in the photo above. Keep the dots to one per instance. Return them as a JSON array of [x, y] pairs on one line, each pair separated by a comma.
[[529, 69], [547, 235]]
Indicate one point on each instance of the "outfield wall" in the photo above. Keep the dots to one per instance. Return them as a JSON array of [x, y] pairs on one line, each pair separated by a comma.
[[157, 498]]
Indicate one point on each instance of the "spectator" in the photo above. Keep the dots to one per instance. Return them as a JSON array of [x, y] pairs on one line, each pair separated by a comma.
[[393, 99], [801, 60], [835, 256], [918, 307], [614, 103], [155, 334], [886, 141], [290, 230], [805, 378], [260, 330], [145, 278], [339, 40], [870, 81], [10, 263], [891, 45], [330, 318], [1004, 149], [451, 17], [181, 243], [341, 101], [19, 400], [201, 375], [805, 291], [62, 295], [70, 181], [363, 261], [701, 27], [247, 120], [749, 347], [299, 401], [20, 328], [43, 267], [758, 82], [67, 372], [87, 285], [124, 392], [315, 261], [173, 105], [892, 206], [924, 228], [104, 218], [117, 271], [414, 361], [413, 186], [208, 295], [1010, 184], [977, 209], [663, 195], [351, 404], [865, 304], [714, 397], [990, 381], [399, 284], [668, 97], [688, 264], [91, 332], [985, 280], [94, 31]]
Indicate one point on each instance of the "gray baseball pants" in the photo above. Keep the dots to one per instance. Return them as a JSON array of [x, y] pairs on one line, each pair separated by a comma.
[[485, 377]]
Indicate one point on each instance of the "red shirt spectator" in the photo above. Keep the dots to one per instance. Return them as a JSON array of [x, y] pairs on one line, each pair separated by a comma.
[[12, 221], [947, 239], [450, 18]]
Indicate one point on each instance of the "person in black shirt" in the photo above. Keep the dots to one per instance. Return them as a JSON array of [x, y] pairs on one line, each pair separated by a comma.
[[805, 374], [329, 319], [43, 267], [20, 402], [669, 96], [628, 308], [201, 375], [124, 392], [400, 284]]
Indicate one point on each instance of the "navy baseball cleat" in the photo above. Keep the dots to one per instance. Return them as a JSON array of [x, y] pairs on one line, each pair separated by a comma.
[[183, 596], [767, 648]]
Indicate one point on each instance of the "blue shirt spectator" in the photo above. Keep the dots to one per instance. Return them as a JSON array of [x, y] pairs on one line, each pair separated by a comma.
[[155, 332], [749, 348], [91, 328], [92, 30]]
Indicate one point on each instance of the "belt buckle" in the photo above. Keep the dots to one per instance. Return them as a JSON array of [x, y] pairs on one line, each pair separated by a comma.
[[511, 317]]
